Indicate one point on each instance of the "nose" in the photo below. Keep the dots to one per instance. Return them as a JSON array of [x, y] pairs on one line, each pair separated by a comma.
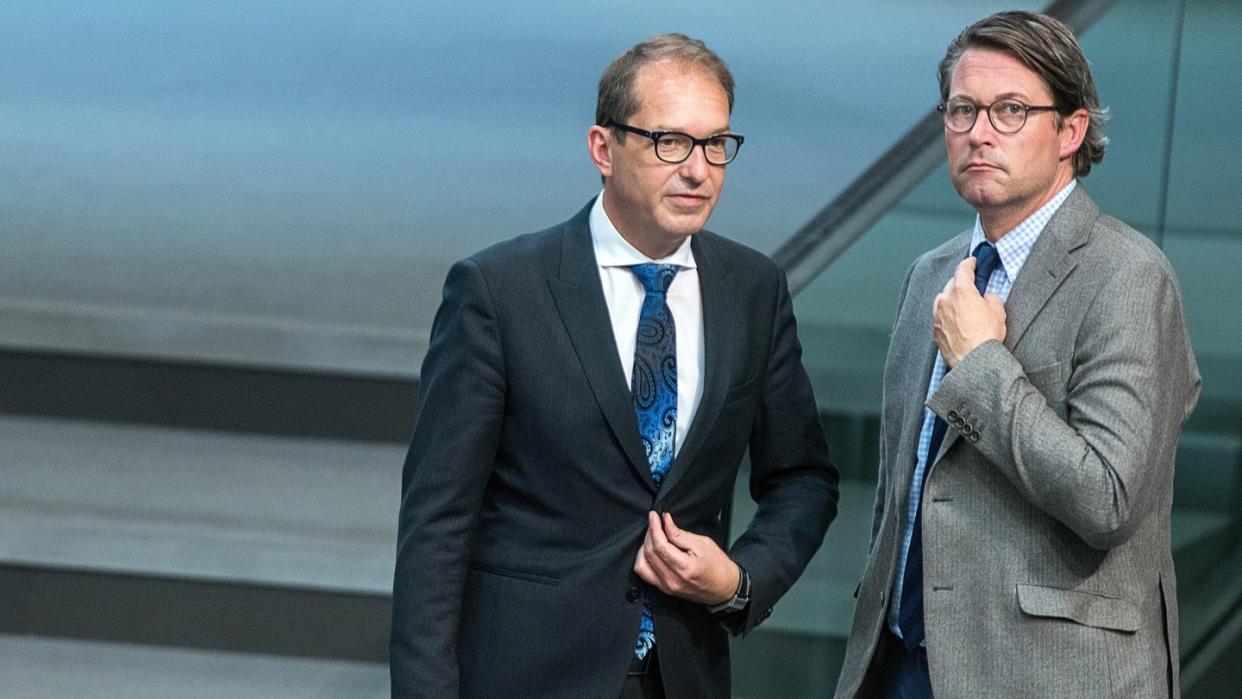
[[982, 131], [696, 168]]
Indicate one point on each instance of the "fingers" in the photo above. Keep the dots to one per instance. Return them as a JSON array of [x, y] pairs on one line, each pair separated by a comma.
[[942, 299], [963, 278], [644, 570], [677, 537], [661, 560], [647, 564], [658, 546], [997, 307], [684, 564], [655, 530], [964, 274], [667, 555]]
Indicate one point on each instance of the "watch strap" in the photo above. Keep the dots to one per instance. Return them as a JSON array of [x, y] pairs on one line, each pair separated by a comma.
[[740, 598]]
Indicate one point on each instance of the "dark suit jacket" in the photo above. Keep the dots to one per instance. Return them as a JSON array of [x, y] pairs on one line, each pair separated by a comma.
[[1048, 570], [526, 489]]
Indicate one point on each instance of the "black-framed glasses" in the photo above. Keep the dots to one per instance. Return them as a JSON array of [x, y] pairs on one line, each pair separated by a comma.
[[675, 147], [1006, 116]]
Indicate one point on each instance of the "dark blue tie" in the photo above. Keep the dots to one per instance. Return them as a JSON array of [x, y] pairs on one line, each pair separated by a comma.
[[910, 617], [654, 387]]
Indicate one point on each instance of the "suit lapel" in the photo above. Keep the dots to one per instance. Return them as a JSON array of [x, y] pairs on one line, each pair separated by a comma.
[[580, 301], [719, 359], [1049, 263]]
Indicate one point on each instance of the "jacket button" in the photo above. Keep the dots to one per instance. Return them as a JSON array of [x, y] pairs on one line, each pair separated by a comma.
[[952, 416], [633, 594]]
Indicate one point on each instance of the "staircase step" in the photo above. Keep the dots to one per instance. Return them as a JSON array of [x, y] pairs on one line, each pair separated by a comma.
[[45, 668], [211, 506]]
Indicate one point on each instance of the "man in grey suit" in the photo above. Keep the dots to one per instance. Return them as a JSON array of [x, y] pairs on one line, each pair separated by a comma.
[[1038, 377], [588, 396]]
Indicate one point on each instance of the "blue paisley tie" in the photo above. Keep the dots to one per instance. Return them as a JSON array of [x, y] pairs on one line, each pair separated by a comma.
[[910, 615], [654, 387]]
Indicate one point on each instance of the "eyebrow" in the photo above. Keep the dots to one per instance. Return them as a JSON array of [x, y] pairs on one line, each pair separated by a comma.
[[717, 132], [1003, 96]]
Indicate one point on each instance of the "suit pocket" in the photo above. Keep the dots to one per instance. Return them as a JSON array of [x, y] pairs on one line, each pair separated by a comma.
[[1086, 608], [743, 390], [1049, 380], [510, 573], [510, 622]]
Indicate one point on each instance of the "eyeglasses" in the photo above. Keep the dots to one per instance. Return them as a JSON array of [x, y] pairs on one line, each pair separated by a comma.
[[1006, 116], [675, 147]]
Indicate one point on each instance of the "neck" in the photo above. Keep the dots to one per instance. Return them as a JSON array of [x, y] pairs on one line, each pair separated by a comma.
[[653, 246], [648, 248], [998, 222]]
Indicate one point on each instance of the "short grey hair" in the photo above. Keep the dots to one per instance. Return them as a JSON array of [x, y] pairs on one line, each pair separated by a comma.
[[618, 100]]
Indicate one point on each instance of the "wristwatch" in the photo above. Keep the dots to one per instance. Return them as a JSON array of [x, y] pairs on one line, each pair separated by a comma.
[[740, 599]]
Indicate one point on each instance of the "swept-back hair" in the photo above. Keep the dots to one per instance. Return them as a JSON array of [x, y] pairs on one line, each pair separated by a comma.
[[1048, 47]]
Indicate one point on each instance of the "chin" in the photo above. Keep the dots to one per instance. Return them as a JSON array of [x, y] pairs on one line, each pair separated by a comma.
[[684, 226], [978, 194]]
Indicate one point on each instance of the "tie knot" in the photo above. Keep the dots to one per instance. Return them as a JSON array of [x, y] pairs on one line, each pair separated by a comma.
[[987, 259], [655, 278]]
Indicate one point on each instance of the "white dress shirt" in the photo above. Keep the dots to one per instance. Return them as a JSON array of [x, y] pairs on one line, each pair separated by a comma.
[[624, 295]]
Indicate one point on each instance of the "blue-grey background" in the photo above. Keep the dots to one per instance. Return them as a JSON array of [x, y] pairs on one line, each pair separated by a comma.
[[280, 187], [315, 167]]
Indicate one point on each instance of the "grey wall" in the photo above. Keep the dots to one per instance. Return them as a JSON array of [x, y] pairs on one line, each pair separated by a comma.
[[287, 182]]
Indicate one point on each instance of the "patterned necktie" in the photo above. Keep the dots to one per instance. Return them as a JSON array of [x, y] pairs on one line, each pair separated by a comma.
[[910, 616], [654, 387]]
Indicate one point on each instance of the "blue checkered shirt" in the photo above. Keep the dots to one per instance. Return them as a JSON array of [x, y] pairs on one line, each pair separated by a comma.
[[1013, 248]]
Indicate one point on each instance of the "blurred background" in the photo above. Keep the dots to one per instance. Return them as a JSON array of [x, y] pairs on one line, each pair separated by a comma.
[[223, 231]]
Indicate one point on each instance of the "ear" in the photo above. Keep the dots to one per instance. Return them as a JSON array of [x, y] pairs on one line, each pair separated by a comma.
[[599, 146], [1073, 131]]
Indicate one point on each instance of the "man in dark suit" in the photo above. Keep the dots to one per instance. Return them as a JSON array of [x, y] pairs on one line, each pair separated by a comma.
[[588, 395], [1037, 380]]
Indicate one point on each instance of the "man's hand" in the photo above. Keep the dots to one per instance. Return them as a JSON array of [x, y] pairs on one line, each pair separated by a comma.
[[962, 319], [685, 565]]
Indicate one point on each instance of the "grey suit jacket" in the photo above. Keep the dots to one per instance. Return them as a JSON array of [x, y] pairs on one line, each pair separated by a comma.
[[1048, 570]]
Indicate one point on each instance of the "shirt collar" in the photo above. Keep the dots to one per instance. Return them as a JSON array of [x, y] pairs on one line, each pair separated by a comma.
[[612, 250], [1015, 246]]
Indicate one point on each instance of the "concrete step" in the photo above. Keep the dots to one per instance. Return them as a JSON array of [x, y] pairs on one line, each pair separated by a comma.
[[221, 541], [192, 504], [283, 546], [227, 397], [45, 668]]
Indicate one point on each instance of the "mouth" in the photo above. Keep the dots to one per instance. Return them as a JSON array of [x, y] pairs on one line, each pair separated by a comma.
[[979, 166], [687, 200]]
